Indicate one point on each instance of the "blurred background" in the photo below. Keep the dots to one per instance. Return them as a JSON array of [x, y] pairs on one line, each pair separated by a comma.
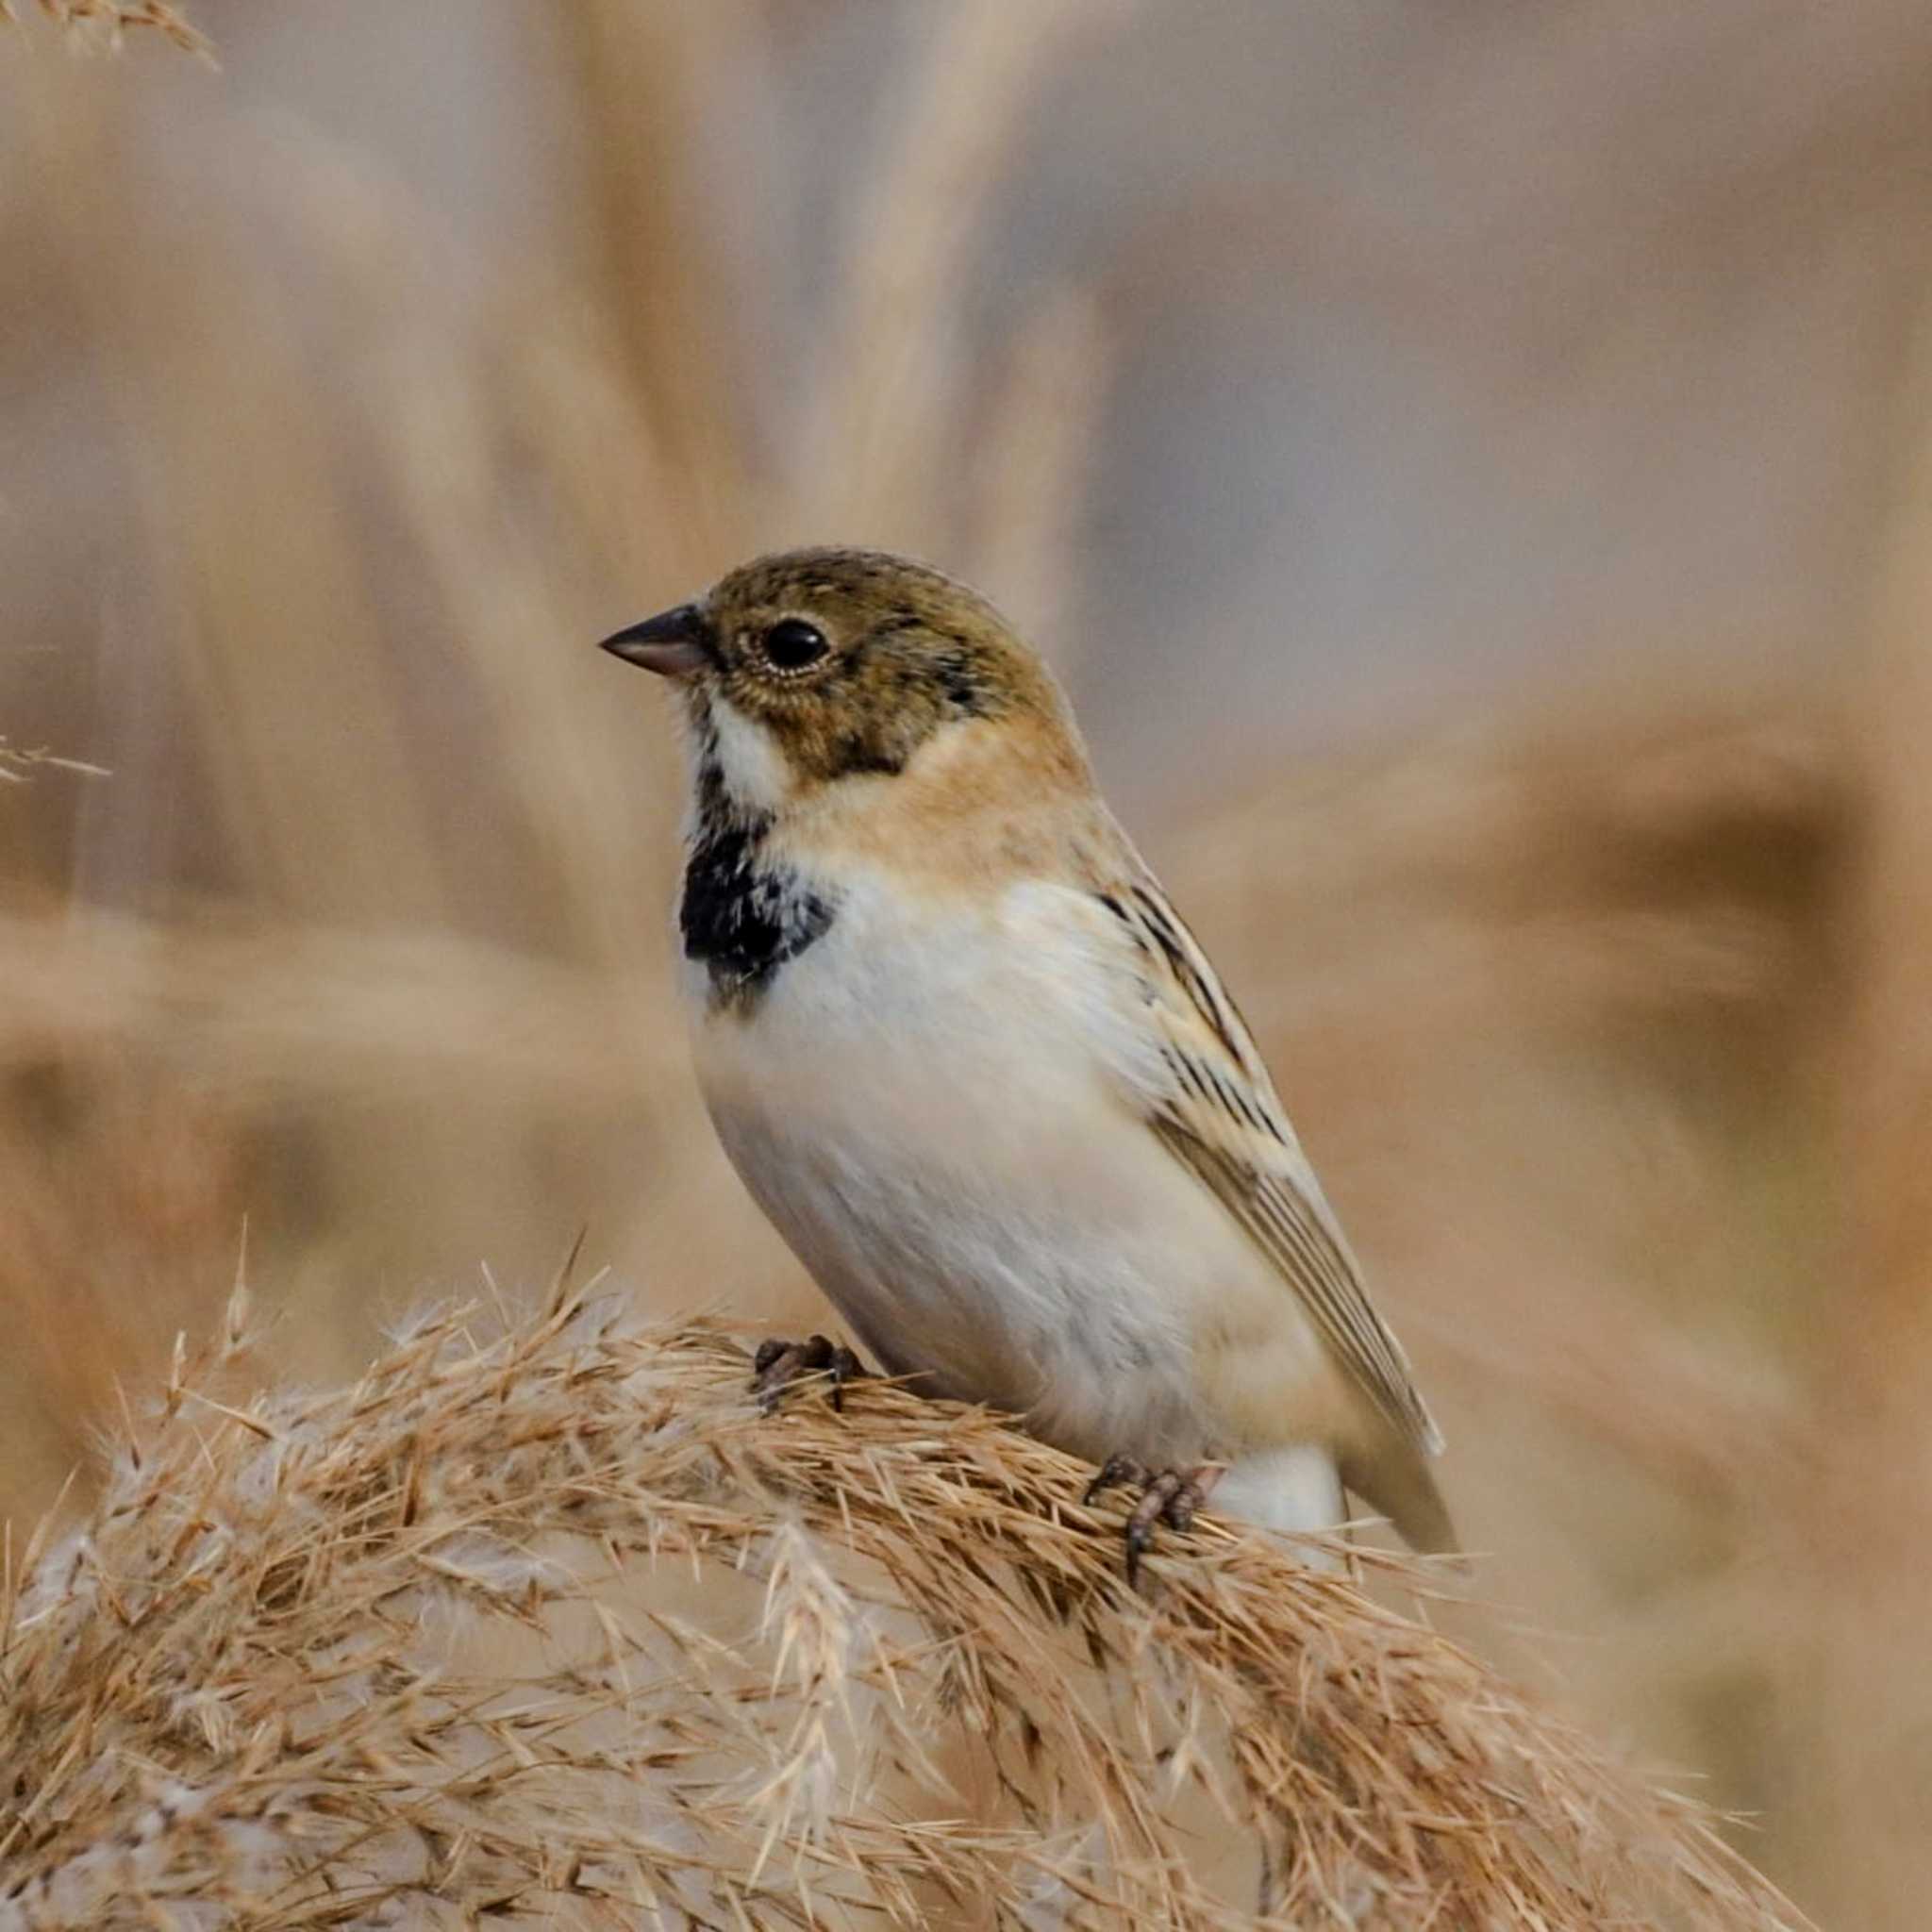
[[1473, 465]]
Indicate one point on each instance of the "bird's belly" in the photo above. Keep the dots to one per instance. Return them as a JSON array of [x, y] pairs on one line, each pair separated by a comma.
[[942, 1149], [1006, 1281]]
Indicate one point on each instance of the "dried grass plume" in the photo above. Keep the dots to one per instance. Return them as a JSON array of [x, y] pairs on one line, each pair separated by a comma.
[[103, 23], [427, 1650]]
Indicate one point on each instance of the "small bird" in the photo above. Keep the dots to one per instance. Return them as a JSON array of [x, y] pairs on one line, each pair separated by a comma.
[[967, 1058]]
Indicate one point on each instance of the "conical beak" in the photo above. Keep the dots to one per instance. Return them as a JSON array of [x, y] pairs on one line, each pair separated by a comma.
[[674, 644]]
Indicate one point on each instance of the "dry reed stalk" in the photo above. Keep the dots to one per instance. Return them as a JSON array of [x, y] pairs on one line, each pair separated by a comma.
[[105, 22], [642, 72], [109, 1182], [877, 452], [244, 1690], [18, 763], [1869, 1512], [263, 1013], [1042, 426]]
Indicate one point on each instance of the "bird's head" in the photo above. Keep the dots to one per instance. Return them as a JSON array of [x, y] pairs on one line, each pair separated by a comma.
[[819, 669]]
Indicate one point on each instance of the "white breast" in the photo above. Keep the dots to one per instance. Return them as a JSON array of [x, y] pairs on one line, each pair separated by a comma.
[[933, 1105]]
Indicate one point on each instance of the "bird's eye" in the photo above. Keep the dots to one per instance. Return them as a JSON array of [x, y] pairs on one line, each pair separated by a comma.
[[792, 644]]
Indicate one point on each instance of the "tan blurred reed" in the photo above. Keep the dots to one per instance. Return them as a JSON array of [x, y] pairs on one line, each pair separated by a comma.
[[365, 934]]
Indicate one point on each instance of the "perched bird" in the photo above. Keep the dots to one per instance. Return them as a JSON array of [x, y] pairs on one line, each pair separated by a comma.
[[969, 1060]]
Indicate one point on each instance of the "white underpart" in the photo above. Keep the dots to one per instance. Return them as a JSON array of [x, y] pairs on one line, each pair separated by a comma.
[[1294, 1489], [752, 766], [934, 1105]]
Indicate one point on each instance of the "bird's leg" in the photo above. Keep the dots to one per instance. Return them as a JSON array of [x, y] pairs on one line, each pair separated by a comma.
[[1167, 1495], [777, 1365]]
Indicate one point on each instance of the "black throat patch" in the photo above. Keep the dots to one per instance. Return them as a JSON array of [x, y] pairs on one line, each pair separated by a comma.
[[742, 916]]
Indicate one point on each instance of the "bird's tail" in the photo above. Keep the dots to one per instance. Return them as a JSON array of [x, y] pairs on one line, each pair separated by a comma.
[[1397, 1483]]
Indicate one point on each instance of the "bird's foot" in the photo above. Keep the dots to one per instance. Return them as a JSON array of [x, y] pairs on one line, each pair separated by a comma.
[[779, 1364], [1167, 1495]]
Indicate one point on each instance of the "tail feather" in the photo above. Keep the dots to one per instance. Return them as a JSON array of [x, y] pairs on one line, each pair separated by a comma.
[[1397, 1482]]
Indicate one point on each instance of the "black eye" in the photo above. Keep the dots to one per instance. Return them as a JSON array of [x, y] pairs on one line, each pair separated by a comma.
[[792, 644]]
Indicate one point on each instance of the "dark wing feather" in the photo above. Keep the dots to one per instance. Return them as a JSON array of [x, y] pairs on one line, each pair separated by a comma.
[[1215, 1108]]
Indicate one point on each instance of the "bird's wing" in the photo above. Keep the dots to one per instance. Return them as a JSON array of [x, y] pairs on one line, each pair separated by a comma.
[[1209, 1099]]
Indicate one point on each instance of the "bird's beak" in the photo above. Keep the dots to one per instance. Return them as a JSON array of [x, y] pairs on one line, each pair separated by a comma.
[[674, 644]]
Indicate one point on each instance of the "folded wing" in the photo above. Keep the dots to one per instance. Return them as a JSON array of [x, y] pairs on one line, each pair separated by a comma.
[[1214, 1107]]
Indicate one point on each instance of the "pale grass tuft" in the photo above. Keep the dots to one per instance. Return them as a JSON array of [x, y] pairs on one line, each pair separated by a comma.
[[103, 23], [412, 1651]]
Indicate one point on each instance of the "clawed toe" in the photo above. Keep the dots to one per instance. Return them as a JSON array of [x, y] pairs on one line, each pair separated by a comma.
[[1170, 1495], [779, 1364], [1115, 1471]]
